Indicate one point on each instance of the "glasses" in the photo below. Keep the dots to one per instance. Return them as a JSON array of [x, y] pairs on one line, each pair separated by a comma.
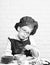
[[26, 32]]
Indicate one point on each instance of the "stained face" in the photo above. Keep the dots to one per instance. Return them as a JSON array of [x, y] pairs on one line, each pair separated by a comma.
[[24, 32]]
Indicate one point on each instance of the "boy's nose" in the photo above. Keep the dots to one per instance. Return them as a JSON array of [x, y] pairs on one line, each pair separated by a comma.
[[25, 34]]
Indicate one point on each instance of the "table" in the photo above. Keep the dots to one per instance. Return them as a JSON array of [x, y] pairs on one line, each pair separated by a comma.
[[15, 63]]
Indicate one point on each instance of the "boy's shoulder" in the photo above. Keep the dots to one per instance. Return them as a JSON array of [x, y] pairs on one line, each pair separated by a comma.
[[13, 34]]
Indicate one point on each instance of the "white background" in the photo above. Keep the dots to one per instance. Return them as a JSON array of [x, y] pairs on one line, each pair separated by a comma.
[[12, 10]]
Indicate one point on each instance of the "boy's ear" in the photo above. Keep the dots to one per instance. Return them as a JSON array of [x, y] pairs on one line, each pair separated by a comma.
[[18, 28]]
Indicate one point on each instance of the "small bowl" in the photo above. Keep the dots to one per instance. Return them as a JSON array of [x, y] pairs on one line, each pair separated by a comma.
[[6, 59]]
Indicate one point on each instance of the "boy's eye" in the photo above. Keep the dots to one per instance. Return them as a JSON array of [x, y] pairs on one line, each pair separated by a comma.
[[25, 31]]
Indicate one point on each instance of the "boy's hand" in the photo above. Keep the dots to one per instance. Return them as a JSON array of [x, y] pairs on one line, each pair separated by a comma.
[[32, 60], [29, 58], [28, 47]]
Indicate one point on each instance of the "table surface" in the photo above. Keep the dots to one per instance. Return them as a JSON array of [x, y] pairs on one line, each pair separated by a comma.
[[15, 63]]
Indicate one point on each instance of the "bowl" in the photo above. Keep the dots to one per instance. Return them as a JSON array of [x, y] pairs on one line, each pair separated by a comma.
[[7, 59]]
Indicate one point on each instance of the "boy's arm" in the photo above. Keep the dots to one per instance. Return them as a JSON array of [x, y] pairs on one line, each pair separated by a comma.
[[8, 51], [35, 53], [35, 50]]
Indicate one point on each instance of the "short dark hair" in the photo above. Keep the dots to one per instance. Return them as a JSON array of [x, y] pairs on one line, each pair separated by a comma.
[[26, 20]]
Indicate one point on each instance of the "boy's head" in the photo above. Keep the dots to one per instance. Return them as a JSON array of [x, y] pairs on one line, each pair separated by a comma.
[[27, 21], [27, 26]]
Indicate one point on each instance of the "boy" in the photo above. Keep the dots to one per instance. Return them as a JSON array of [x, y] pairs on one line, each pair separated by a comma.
[[20, 45]]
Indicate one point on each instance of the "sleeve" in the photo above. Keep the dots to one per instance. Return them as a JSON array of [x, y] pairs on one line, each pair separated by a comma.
[[35, 50], [8, 51]]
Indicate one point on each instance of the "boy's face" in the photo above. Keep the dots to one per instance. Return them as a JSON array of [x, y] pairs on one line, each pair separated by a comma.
[[24, 32]]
